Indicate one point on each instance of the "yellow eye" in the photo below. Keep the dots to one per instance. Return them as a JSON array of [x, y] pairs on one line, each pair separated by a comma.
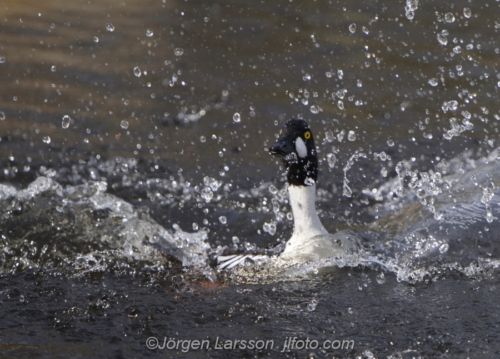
[[307, 135]]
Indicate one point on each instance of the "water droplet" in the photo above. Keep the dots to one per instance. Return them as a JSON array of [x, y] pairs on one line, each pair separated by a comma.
[[46, 139], [207, 194], [433, 82], [2, 116], [237, 117], [110, 27], [467, 12], [340, 105], [270, 228], [53, 69], [178, 51], [2, 59], [443, 248], [352, 28], [365, 30], [498, 84], [442, 39], [149, 33], [449, 18], [124, 124], [223, 219], [235, 240], [449, 106], [96, 39], [332, 159], [340, 136], [137, 71], [340, 74], [315, 109], [66, 121], [359, 83], [457, 49], [306, 77], [328, 74], [351, 136], [390, 143]]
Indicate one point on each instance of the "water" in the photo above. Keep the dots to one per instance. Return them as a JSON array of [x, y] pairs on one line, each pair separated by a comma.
[[132, 150]]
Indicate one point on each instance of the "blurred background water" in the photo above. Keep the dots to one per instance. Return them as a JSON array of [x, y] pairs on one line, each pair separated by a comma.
[[125, 125]]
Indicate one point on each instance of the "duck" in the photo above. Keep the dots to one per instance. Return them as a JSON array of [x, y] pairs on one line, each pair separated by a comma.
[[310, 240]]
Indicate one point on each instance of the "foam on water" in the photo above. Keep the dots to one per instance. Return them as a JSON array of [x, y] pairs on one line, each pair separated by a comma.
[[428, 223]]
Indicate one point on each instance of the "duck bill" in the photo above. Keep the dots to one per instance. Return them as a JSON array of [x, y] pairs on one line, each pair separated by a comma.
[[281, 148]]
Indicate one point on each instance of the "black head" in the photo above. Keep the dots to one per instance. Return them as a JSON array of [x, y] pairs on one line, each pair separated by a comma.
[[295, 147]]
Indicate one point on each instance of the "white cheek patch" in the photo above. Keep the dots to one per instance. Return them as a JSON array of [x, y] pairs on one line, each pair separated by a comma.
[[300, 147]]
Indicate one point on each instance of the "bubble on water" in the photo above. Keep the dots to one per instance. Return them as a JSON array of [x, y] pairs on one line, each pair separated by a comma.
[[2, 116], [365, 30], [53, 69], [449, 18], [137, 71], [340, 74], [307, 77], [328, 74], [442, 39], [359, 83], [66, 121], [46, 139], [352, 28], [311, 307], [457, 49], [178, 51], [2, 59], [149, 33], [467, 12], [390, 143], [433, 82], [124, 124], [203, 139], [340, 105], [96, 39], [237, 117], [315, 109], [110, 27], [498, 83], [351, 136], [223, 219]]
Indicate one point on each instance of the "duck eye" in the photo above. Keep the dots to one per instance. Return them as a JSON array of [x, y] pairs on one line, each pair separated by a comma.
[[307, 135]]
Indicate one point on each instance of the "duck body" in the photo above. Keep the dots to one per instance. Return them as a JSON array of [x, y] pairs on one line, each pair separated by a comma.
[[310, 240]]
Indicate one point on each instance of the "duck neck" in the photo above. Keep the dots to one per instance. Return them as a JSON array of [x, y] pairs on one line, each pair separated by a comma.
[[306, 220]]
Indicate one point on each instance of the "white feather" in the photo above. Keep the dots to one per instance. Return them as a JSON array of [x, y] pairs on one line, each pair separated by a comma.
[[300, 147]]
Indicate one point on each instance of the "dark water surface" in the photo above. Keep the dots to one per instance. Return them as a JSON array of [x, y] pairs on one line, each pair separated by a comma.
[[133, 137]]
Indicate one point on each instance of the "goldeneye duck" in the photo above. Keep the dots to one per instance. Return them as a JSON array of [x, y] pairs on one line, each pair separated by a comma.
[[310, 240]]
